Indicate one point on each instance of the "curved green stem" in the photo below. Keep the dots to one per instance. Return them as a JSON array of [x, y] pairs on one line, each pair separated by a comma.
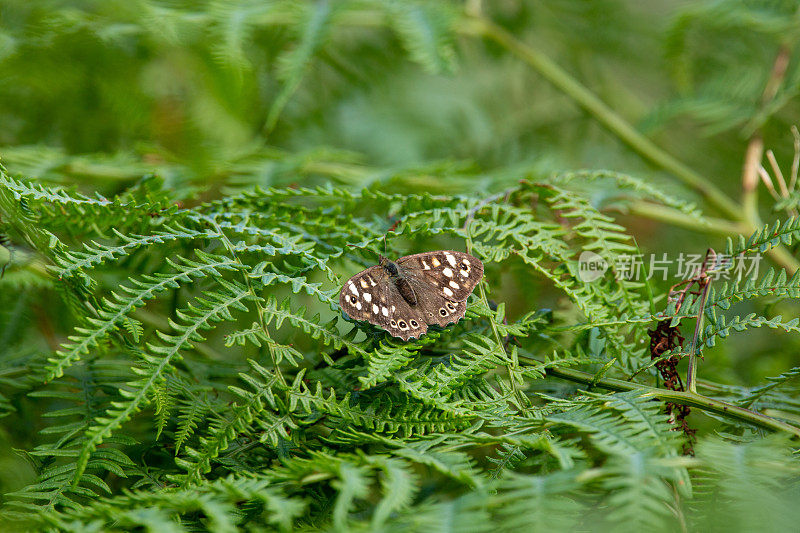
[[603, 113], [683, 398], [674, 217]]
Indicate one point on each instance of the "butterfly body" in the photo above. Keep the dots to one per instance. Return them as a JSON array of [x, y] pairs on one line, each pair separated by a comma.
[[400, 281], [405, 296]]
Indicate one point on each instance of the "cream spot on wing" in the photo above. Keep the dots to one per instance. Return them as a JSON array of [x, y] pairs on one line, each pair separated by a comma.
[[393, 308], [353, 288], [447, 291], [384, 311], [465, 262], [450, 259], [447, 272], [465, 273], [452, 284], [358, 306], [368, 296], [375, 309], [425, 265], [435, 262], [372, 283]]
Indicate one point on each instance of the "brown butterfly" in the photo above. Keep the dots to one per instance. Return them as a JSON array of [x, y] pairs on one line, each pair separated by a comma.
[[406, 296]]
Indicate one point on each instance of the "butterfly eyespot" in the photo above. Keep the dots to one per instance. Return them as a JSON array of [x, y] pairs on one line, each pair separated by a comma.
[[451, 306], [414, 324], [442, 312], [353, 299], [393, 323], [402, 325]]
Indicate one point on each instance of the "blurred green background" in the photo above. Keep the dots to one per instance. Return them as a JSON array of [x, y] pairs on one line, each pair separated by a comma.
[[238, 93], [443, 97]]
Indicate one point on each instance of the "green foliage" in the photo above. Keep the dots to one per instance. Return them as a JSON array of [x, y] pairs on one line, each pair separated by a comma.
[[350, 413], [172, 245]]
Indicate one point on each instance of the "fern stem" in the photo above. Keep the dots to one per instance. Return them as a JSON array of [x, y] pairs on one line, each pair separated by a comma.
[[680, 397], [258, 301], [603, 113], [755, 152], [674, 217], [513, 367], [691, 372], [622, 128]]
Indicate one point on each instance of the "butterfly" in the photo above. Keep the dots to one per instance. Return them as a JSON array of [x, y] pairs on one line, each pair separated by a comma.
[[406, 296]]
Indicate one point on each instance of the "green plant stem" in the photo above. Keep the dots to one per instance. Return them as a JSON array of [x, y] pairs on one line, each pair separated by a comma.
[[691, 372], [674, 217], [603, 113], [752, 160], [259, 307], [683, 398], [513, 366], [755, 151]]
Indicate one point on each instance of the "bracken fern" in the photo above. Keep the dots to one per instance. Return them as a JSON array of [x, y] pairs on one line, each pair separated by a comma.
[[313, 405]]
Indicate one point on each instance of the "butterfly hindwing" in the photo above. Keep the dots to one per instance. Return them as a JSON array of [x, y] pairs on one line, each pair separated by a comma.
[[404, 321], [439, 310]]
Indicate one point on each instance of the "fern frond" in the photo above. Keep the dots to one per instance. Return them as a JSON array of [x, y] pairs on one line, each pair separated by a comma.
[[191, 413], [645, 427], [224, 502], [639, 491], [399, 484], [722, 327], [96, 253], [748, 484], [766, 238], [509, 456], [539, 503], [214, 307], [145, 201], [748, 288], [273, 311], [116, 309], [626, 181], [258, 404], [79, 399], [774, 383], [378, 415], [316, 21], [427, 31]]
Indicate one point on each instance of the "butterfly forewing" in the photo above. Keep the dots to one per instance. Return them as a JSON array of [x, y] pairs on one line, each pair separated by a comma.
[[362, 295], [416, 291], [455, 274]]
